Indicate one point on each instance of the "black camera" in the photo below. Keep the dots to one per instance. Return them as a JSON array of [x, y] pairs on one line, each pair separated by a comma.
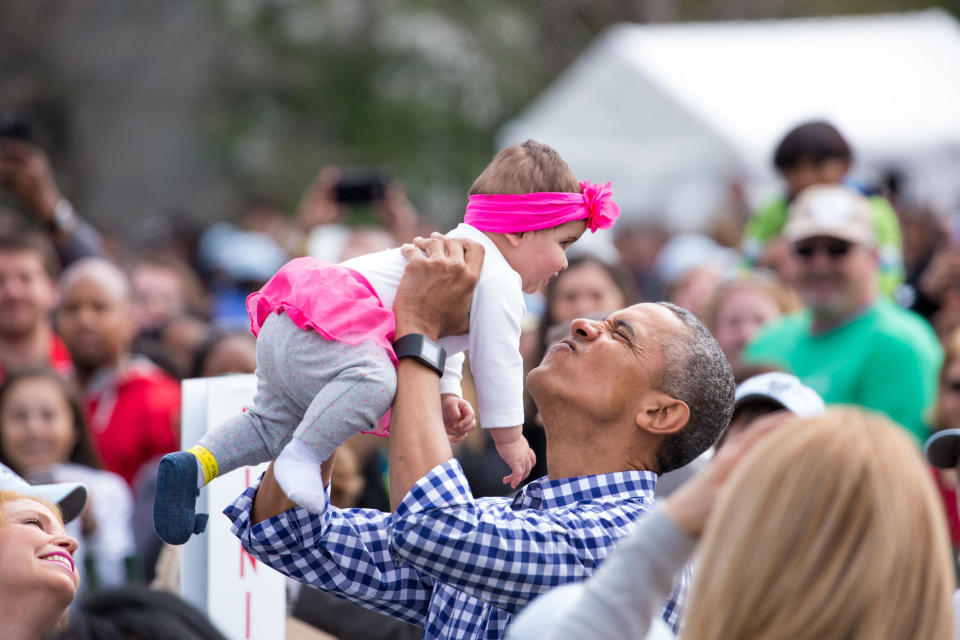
[[19, 124], [361, 186]]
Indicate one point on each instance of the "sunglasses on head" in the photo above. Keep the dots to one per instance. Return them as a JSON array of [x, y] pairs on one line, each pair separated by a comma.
[[833, 248]]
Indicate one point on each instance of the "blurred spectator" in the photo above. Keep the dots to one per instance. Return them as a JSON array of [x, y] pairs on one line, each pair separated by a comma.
[[28, 294], [264, 217], [587, 285], [177, 344], [26, 173], [360, 242], [638, 244], [136, 613], [225, 352], [133, 407], [742, 306], [946, 415], [759, 397], [815, 153], [164, 287], [43, 437], [937, 291], [238, 263], [850, 344], [690, 267]]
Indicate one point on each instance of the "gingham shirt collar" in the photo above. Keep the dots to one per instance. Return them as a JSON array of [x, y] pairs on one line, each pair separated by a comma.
[[545, 493]]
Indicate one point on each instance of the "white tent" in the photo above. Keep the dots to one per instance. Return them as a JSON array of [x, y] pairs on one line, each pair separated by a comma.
[[672, 113]]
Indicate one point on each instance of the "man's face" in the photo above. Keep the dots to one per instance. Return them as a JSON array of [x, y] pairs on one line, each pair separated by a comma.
[[95, 322], [605, 366], [833, 277], [27, 294]]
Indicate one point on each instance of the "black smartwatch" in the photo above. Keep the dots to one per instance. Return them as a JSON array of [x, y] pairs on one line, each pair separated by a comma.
[[423, 349]]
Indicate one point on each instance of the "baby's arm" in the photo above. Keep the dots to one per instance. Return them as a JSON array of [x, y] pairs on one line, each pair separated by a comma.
[[458, 417], [515, 451]]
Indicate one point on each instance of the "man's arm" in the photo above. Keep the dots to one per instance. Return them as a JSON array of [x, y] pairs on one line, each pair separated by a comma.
[[344, 551], [271, 500], [433, 299]]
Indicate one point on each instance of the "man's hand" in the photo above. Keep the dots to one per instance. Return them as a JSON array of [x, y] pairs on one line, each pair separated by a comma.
[[437, 286], [25, 171]]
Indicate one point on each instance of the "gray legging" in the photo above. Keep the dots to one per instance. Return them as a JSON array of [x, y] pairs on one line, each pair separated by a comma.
[[317, 390]]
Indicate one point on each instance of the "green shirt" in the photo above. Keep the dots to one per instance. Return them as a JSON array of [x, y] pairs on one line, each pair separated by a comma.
[[768, 221], [887, 359]]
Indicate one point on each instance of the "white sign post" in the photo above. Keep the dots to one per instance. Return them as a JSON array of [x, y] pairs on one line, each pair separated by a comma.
[[242, 597]]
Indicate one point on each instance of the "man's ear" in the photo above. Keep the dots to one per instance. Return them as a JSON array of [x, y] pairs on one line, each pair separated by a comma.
[[513, 237], [661, 414]]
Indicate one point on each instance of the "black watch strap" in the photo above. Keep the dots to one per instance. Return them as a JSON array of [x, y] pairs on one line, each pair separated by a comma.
[[423, 349]]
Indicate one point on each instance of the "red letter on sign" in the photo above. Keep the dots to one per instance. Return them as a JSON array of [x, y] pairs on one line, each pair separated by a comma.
[[250, 559]]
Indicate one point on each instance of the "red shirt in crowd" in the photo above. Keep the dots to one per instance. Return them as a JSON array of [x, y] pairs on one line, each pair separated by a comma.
[[133, 417], [948, 493]]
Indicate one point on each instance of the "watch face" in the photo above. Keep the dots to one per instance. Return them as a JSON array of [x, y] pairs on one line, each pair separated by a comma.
[[430, 351]]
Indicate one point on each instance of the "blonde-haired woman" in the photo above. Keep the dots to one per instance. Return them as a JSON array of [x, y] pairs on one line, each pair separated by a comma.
[[829, 527], [38, 576]]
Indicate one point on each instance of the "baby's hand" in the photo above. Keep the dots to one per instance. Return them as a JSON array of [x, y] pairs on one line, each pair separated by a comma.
[[458, 417], [516, 452]]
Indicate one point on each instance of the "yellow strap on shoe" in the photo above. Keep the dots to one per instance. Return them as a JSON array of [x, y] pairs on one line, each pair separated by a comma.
[[207, 462]]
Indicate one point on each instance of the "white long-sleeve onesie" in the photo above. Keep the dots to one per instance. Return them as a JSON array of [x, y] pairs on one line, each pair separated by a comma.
[[494, 337]]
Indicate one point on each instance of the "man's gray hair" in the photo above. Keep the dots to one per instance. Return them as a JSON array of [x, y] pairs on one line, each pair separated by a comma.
[[696, 371]]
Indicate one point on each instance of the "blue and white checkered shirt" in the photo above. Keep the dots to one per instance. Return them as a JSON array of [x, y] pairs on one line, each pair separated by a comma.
[[456, 565]]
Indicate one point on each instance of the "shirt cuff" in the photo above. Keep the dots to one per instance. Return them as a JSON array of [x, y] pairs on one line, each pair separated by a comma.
[[443, 486], [296, 528]]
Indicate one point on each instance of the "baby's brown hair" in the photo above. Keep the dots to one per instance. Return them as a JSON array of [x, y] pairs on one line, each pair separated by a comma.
[[528, 167]]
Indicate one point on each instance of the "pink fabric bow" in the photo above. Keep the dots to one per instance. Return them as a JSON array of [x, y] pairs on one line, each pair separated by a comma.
[[504, 213], [602, 211]]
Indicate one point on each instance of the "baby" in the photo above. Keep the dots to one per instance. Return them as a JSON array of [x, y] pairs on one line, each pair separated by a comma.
[[326, 365]]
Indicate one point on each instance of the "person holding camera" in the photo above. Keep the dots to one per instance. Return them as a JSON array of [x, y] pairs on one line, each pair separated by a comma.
[[25, 172]]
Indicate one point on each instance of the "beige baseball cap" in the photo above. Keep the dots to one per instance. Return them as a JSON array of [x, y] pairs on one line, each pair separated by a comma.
[[835, 211]]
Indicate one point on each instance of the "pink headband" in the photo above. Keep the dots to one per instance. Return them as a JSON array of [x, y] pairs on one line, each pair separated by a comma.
[[500, 213]]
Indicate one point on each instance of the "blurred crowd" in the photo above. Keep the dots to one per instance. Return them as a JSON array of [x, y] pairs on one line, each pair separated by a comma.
[[845, 285]]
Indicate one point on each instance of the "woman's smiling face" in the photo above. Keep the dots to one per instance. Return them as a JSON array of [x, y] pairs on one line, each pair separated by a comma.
[[36, 554]]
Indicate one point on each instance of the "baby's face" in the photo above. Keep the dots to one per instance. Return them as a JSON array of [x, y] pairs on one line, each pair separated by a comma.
[[540, 255]]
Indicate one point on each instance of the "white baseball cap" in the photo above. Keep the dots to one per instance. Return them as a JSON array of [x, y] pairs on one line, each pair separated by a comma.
[[71, 497], [783, 389]]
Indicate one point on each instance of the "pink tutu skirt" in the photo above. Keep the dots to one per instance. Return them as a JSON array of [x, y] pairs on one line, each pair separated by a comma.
[[337, 302]]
